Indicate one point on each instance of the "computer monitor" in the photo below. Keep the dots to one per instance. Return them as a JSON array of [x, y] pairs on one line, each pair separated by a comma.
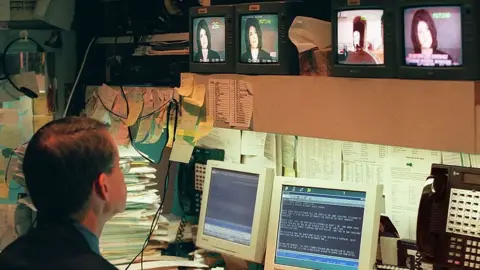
[[437, 39], [317, 224], [263, 45], [234, 210], [363, 37], [212, 39]]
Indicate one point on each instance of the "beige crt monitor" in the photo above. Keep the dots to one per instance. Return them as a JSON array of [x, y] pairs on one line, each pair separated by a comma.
[[326, 225], [235, 210]]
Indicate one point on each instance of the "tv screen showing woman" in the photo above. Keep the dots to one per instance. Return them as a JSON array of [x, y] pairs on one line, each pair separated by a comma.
[[259, 39], [433, 36], [209, 40]]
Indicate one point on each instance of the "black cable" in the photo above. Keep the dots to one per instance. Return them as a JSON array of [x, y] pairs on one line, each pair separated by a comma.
[[7, 76], [173, 104]]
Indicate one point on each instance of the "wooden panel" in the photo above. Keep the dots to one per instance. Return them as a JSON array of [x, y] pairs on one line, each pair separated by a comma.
[[436, 115]]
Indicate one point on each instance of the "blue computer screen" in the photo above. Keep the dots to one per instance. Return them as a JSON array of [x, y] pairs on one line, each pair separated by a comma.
[[231, 205], [320, 228]]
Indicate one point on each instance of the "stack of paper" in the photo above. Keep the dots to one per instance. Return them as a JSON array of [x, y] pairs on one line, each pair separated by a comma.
[[167, 230], [124, 236]]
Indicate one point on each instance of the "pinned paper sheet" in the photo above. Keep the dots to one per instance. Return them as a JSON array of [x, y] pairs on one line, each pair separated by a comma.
[[119, 131], [96, 110], [135, 106], [204, 128], [197, 98], [242, 105], [107, 96], [148, 101], [230, 101], [229, 140], [144, 127], [406, 171], [319, 159], [364, 163], [288, 152], [253, 143], [187, 82], [158, 126], [9, 117]]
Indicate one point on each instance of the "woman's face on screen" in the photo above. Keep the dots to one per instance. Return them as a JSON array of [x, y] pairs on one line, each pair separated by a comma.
[[203, 39], [253, 37], [424, 35]]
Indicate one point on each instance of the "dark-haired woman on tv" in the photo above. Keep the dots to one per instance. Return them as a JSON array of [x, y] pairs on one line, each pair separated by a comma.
[[424, 35], [253, 43], [360, 56], [204, 40]]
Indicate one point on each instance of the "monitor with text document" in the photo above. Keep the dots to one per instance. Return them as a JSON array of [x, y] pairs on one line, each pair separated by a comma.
[[235, 209], [437, 39], [326, 225]]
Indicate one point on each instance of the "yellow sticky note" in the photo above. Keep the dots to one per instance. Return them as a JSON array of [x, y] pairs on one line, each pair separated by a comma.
[[290, 172], [197, 97], [3, 188], [204, 128], [186, 87]]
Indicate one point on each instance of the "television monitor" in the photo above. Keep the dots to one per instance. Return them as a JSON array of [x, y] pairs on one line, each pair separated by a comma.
[[438, 39], [263, 45], [212, 40], [363, 39], [317, 224], [234, 210]]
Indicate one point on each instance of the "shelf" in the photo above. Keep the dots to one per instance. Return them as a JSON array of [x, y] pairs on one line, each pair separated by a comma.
[[437, 115]]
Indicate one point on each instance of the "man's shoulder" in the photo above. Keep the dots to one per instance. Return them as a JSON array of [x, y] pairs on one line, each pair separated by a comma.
[[27, 254], [39, 249]]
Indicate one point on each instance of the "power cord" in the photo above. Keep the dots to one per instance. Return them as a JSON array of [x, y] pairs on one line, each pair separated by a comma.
[[7, 76], [173, 105], [70, 97]]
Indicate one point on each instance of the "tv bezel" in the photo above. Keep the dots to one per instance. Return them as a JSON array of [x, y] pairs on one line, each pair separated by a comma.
[[227, 11], [389, 67], [469, 68], [288, 63]]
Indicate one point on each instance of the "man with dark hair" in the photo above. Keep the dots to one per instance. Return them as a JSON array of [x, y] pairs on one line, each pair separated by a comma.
[[75, 180]]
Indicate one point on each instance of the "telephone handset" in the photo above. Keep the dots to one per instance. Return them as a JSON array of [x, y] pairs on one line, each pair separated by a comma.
[[448, 227]]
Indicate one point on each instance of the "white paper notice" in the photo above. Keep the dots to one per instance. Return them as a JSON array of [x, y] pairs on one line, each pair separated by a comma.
[[288, 151], [403, 198], [230, 101], [242, 101], [319, 159], [229, 140], [219, 92], [253, 143], [268, 158], [364, 163], [407, 171], [449, 158]]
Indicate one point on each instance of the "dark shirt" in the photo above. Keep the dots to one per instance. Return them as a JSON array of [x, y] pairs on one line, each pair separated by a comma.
[[262, 56], [53, 246], [210, 56]]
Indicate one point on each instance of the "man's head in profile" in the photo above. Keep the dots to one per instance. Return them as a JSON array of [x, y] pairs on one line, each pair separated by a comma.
[[73, 172]]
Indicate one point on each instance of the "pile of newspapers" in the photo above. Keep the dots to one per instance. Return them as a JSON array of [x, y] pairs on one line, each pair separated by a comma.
[[124, 236]]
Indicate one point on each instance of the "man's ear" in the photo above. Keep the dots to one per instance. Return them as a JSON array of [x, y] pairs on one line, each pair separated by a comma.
[[101, 186]]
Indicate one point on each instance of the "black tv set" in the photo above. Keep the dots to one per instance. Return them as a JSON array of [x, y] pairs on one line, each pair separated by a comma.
[[363, 39], [212, 46], [263, 46], [438, 39]]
